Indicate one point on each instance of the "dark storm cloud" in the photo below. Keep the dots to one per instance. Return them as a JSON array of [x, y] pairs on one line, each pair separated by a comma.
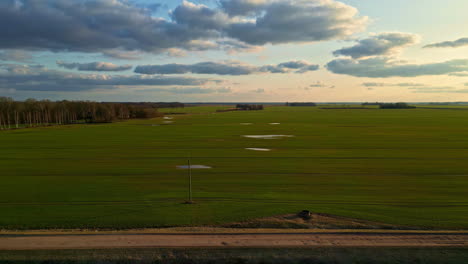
[[384, 67], [109, 25], [382, 44], [88, 26], [449, 44], [226, 68], [94, 66], [39, 78], [243, 7]]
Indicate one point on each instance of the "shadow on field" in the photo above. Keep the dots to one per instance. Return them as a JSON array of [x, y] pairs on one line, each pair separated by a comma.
[[241, 256]]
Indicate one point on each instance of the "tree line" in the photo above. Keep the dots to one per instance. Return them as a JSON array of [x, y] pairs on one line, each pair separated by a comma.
[[391, 105], [249, 107], [33, 113]]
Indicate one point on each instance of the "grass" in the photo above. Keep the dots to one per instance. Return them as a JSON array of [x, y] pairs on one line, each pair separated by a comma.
[[241, 256], [401, 167]]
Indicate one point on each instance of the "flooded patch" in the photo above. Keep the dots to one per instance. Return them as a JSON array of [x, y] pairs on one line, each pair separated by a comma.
[[274, 124], [267, 136], [246, 124], [258, 149], [168, 118], [194, 167]]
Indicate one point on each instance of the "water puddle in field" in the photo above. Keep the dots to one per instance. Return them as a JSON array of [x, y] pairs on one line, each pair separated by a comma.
[[194, 167], [246, 124], [267, 136], [168, 118], [258, 149], [275, 124]]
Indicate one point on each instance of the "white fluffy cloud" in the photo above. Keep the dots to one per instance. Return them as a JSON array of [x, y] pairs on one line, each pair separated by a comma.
[[373, 58], [381, 44], [294, 21]]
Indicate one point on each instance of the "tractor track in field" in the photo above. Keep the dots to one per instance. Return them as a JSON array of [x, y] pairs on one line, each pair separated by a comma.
[[52, 241], [227, 199]]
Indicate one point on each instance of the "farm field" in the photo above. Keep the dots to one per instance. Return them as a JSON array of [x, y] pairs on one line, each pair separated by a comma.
[[241, 255], [403, 167]]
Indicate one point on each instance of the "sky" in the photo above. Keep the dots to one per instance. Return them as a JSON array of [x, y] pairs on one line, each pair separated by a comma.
[[235, 50]]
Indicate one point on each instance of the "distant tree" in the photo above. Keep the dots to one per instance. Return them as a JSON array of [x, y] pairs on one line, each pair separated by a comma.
[[249, 107], [396, 106], [302, 104]]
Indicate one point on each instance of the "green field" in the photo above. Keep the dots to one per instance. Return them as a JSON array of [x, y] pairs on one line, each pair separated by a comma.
[[241, 256], [404, 167]]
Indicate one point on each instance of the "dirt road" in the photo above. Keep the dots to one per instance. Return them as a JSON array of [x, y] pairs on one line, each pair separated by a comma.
[[306, 239]]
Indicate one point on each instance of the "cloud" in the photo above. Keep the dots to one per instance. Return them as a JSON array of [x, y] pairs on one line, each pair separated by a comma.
[[292, 21], [449, 44], [459, 74], [375, 84], [258, 90], [15, 55], [122, 54], [89, 26], [94, 66], [318, 85], [200, 17], [104, 26], [226, 68], [435, 89], [189, 90], [382, 67], [381, 44], [300, 66], [234, 46], [243, 7], [40, 78]]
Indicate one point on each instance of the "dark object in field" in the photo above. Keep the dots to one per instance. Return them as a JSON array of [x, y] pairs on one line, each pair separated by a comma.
[[301, 104], [249, 107], [305, 214]]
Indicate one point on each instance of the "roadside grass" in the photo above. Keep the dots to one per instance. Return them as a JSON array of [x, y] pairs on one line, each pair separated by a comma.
[[401, 167], [241, 256]]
